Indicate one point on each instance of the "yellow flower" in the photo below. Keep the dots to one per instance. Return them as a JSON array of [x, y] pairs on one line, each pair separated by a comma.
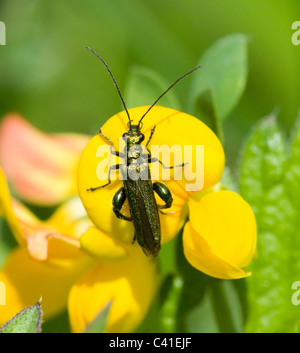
[[59, 271], [220, 238], [50, 263]]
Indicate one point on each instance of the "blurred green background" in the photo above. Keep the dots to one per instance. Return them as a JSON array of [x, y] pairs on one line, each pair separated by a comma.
[[48, 76]]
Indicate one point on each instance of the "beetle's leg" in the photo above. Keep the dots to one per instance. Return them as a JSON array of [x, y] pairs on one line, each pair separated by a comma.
[[164, 193], [114, 167], [154, 159], [151, 134], [106, 138], [118, 154], [118, 202]]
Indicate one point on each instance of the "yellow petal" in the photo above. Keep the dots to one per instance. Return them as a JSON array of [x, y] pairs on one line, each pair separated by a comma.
[[46, 173], [102, 246], [70, 218], [57, 239], [67, 224], [220, 238], [173, 218], [98, 204], [6, 210], [26, 281], [129, 284]]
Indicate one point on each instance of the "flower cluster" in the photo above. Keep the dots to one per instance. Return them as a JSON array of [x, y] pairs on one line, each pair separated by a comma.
[[83, 257]]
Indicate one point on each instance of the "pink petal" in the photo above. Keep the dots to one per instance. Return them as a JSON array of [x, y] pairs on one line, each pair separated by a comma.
[[41, 167]]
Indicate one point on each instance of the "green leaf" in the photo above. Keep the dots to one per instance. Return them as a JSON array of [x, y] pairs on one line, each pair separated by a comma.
[[145, 85], [219, 84], [28, 320], [269, 182], [99, 323]]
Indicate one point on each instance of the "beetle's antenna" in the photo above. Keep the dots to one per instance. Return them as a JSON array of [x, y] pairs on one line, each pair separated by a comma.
[[115, 82], [167, 90]]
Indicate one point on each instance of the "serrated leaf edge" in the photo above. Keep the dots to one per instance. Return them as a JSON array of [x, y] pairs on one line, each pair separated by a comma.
[[39, 320]]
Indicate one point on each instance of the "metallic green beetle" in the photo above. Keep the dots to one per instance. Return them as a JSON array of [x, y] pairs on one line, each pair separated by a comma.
[[139, 191]]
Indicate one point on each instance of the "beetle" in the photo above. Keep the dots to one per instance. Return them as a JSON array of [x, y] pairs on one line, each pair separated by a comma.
[[138, 188]]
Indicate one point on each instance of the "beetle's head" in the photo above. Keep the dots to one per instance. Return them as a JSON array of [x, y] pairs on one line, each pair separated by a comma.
[[134, 135]]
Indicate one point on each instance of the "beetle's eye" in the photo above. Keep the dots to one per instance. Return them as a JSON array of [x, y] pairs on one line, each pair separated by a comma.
[[141, 137]]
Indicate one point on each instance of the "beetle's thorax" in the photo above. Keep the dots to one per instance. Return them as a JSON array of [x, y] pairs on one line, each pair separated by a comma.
[[133, 139]]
